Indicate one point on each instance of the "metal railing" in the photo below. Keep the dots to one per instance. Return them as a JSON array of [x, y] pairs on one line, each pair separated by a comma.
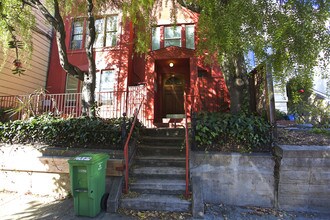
[[187, 193], [108, 104], [126, 154]]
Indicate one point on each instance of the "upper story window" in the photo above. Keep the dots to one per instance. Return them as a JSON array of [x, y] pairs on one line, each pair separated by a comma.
[[106, 31], [77, 34], [105, 28], [190, 36], [172, 36], [180, 36]]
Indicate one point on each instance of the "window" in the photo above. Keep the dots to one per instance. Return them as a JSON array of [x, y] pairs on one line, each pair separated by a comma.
[[77, 34], [105, 28], [172, 36], [106, 31], [71, 88], [156, 38], [190, 36], [105, 85]]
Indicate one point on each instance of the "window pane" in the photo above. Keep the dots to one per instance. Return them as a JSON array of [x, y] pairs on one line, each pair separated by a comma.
[[190, 36], [99, 40], [111, 39], [107, 81], [156, 38], [172, 32], [77, 34], [99, 25], [71, 87], [173, 42], [105, 84], [76, 44], [77, 37], [71, 84], [112, 23]]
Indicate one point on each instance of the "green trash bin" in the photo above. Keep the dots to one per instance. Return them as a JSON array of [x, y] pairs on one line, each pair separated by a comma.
[[87, 176]]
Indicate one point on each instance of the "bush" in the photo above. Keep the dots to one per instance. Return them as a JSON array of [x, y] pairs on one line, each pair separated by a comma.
[[72, 132], [238, 133]]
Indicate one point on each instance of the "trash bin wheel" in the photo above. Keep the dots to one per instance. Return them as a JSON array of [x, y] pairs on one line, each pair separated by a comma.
[[104, 200]]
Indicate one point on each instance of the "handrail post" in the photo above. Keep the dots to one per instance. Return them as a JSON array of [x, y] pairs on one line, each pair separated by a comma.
[[123, 130], [187, 193], [193, 130]]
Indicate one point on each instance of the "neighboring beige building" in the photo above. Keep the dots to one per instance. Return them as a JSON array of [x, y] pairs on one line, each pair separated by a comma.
[[36, 69]]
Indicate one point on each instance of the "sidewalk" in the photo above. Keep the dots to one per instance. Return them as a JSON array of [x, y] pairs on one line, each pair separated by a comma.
[[20, 206]]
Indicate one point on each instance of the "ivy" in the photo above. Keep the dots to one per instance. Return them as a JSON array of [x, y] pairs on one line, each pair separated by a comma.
[[226, 132], [72, 132]]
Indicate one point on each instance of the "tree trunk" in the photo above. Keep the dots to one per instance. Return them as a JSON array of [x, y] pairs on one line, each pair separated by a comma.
[[237, 83], [88, 90]]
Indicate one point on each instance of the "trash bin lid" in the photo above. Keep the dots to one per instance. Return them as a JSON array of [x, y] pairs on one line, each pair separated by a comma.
[[88, 158]]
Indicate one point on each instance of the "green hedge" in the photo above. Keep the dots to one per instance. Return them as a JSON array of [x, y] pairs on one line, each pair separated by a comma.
[[232, 133], [72, 132]]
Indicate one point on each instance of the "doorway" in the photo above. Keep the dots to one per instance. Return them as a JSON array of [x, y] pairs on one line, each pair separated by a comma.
[[173, 93]]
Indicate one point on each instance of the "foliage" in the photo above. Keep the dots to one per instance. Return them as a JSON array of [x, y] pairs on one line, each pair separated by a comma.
[[72, 132], [321, 131], [304, 104], [288, 34], [16, 20], [226, 132], [279, 115]]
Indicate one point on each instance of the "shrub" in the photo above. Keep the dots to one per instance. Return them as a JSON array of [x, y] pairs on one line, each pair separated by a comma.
[[72, 132], [226, 132]]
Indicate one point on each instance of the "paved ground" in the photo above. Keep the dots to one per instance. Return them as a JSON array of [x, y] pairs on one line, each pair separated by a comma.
[[20, 206]]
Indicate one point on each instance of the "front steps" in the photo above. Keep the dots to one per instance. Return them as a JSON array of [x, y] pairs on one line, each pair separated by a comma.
[[157, 177]]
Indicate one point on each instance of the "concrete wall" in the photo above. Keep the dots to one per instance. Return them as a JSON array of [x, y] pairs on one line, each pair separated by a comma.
[[40, 170], [299, 179], [234, 178], [304, 178]]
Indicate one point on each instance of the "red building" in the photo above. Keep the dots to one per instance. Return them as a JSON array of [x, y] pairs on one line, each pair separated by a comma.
[[169, 70]]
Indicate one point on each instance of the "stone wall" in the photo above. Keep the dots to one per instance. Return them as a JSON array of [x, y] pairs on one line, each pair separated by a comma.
[[304, 178], [232, 178]]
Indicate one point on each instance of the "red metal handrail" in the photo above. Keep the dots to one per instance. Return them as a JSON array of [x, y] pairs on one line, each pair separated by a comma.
[[187, 193], [126, 156]]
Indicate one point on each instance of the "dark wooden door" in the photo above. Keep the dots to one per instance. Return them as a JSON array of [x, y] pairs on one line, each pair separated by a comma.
[[173, 96]]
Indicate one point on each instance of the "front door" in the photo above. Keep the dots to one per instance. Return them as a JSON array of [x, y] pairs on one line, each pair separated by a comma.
[[173, 95]]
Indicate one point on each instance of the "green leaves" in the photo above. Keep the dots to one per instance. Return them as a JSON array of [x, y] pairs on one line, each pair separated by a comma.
[[72, 132], [226, 132]]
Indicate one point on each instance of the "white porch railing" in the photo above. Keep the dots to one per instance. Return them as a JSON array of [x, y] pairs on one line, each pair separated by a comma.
[[109, 104]]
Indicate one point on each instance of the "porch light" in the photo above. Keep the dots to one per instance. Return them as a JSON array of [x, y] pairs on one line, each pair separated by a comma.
[[171, 64]]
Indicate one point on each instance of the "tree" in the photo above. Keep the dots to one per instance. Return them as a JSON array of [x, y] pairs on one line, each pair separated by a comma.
[[18, 21], [295, 32]]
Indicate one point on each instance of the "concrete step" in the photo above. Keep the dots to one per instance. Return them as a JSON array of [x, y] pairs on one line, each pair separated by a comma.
[[164, 132], [159, 186], [156, 202], [147, 150], [159, 140], [159, 172], [160, 161]]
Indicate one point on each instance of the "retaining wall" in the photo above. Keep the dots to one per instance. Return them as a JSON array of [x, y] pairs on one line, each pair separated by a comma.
[[304, 178], [296, 178], [42, 170]]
